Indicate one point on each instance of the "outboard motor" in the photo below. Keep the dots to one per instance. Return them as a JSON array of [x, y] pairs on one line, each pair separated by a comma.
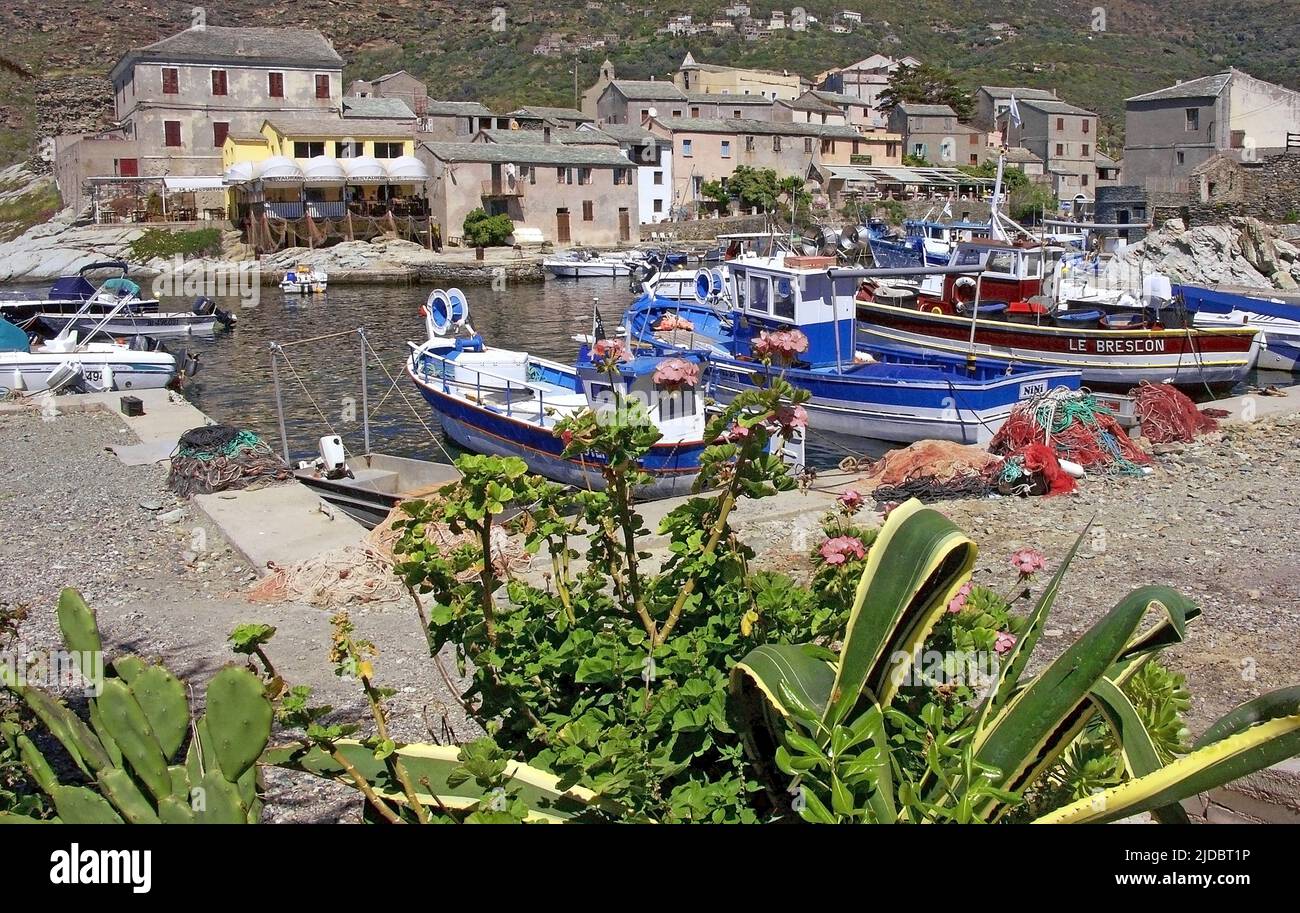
[[204, 307], [333, 459], [189, 362]]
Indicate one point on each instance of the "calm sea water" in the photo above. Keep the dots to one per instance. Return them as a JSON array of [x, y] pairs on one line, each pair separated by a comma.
[[321, 383]]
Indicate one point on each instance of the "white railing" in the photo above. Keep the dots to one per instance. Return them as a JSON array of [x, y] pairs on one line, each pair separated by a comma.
[[510, 384]]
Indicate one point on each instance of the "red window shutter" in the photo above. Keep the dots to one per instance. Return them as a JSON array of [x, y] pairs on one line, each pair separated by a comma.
[[220, 130], [172, 132], [171, 78], [218, 82], [322, 86], [275, 85], [128, 168]]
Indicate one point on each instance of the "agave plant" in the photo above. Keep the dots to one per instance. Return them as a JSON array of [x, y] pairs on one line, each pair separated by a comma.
[[829, 720]]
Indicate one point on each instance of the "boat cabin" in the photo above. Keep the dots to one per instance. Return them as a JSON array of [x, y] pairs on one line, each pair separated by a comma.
[[677, 410], [793, 293], [1014, 271]]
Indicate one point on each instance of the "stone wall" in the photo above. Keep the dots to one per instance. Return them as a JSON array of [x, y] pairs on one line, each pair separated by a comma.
[[704, 229], [1269, 191], [1271, 796]]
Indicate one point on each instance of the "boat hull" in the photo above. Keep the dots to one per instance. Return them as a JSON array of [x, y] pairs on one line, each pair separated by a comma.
[[144, 325], [672, 468], [1107, 359], [585, 270], [130, 370], [25, 309]]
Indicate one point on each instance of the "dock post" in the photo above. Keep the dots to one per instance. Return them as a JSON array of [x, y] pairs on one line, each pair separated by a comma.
[[279, 402], [365, 392]]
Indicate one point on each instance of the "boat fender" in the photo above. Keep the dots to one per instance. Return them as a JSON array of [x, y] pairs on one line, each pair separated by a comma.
[[1071, 468], [108, 378]]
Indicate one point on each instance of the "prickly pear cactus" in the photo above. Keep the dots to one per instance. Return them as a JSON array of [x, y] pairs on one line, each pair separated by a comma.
[[130, 755]]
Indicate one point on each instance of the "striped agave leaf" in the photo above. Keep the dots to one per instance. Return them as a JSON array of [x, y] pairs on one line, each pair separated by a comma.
[[1137, 748], [1250, 738], [914, 569], [429, 768], [1039, 721]]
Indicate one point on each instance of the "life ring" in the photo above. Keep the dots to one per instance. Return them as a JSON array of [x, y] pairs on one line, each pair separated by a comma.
[[936, 309], [964, 288]]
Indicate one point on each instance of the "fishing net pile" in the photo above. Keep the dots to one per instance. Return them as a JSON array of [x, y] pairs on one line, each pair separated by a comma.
[[932, 471], [363, 573], [223, 458], [1168, 416], [1062, 425]]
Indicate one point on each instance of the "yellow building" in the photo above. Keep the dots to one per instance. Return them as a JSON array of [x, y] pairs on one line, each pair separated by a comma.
[[322, 166], [714, 79]]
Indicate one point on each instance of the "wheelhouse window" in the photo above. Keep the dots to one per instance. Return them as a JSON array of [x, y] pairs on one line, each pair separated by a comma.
[[783, 299], [759, 295]]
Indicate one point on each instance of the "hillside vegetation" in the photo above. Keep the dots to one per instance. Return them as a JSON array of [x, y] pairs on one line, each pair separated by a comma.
[[1140, 45]]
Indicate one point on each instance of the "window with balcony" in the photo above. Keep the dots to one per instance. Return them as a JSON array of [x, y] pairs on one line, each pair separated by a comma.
[[218, 82], [275, 85], [171, 81]]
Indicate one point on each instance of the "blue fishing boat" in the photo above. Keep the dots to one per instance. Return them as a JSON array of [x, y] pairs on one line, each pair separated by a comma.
[[507, 403], [865, 390], [1277, 320], [923, 242]]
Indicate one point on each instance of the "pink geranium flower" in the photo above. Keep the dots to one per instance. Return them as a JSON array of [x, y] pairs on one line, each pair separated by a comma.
[[790, 418], [736, 434], [958, 601], [610, 350], [1027, 561], [782, 345], [1006, 640], [676, 373], [840, 549], [850, 500]]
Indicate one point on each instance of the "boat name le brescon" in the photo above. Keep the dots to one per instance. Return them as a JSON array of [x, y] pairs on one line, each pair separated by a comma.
[[1118, 346]]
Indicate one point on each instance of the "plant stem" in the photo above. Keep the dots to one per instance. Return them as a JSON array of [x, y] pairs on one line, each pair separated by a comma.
[[488, 579], [728, 502], [363, 784]]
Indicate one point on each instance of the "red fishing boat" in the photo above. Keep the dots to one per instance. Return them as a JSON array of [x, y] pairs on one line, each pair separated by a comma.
[[1003, 312]]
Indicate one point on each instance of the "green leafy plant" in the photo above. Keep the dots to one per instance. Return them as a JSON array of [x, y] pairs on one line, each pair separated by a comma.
[[129, 756], [482, 230], [839, 724], [161, 242]]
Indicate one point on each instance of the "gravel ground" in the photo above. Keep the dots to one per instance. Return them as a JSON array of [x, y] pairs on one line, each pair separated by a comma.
[[165, 585], [1215, 520]]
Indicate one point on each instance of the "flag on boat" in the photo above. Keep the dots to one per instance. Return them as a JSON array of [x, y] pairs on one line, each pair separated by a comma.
[[947, 208], [1013, 111]]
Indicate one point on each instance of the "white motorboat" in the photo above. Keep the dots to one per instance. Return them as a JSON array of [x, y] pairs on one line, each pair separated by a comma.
[[201, 320], [304, 280], [588, 265], [70, 294], [63, 363]]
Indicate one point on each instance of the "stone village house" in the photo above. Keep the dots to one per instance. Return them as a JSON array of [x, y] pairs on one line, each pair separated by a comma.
[[579, 194]]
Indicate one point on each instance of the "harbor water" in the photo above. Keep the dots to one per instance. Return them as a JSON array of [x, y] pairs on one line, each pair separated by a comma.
[[321, 381]]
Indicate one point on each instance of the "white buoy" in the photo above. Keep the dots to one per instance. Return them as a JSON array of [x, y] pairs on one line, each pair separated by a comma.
[[108, 378], [19, 383]]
